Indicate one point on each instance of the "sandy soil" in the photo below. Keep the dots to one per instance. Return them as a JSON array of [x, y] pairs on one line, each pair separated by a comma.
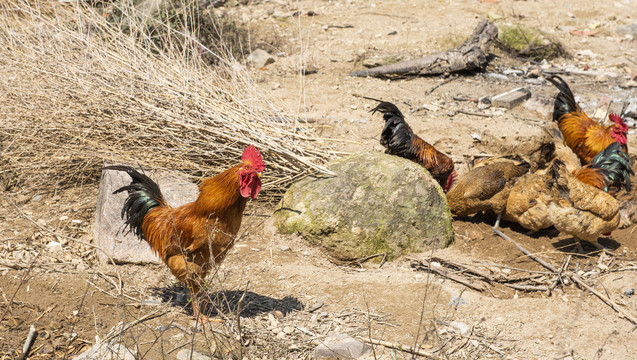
[[293, 291]]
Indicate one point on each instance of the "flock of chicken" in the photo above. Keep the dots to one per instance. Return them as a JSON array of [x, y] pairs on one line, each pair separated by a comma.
[[570, 185], [568, 189]]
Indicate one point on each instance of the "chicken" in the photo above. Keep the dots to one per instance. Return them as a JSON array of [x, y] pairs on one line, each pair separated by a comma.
[[584, 135], [186, 237], [575, 202], [398, 139], [485, 187]]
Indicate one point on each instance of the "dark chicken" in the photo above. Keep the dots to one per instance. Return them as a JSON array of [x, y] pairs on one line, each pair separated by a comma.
[[399, 139]]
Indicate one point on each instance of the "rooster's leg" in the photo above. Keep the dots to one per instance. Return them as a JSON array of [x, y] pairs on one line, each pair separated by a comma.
[[192, 275]]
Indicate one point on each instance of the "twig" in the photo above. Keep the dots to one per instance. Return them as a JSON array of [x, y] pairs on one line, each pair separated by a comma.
[[304, 330], [514, 268], [44, 313], [123, 329], [428, 92], [27, 343], [19, 285], [525, 251], [526, 287], [426, 265], [473, 113], [109, 294], [608, 302], [403, 348]]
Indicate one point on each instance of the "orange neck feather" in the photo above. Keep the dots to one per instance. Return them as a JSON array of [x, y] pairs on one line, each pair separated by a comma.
[[220, 192]]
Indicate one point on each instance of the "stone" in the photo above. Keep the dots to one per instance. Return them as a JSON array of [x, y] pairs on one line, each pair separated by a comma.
[[109, 232], [511, 98], [376, 203], [458, 301], [341, 346], [107, 351], [54, 246], [260, 58], [185, 354], [630, 29], [462, 327]]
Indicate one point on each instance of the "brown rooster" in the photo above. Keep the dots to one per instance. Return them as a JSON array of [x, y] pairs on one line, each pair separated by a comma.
[[584, 135], [485, 187], [188, 236], [398, 139], [575, 202]]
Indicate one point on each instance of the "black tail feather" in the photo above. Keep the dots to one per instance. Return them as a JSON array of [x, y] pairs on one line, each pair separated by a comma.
[[616, 166], [143, 195], [397, 137], [565, 100]]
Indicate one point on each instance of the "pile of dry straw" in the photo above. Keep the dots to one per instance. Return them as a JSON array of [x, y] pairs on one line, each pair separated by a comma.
[[77, 91]]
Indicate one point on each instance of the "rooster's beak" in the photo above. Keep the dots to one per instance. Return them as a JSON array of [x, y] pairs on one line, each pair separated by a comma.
[[259, 175]]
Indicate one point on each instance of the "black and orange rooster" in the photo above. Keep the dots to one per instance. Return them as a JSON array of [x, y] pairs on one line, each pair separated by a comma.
[[584, 135], [398, 139], [188, 236]]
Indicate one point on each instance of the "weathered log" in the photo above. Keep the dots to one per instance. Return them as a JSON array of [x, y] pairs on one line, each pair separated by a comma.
[[472, 54]]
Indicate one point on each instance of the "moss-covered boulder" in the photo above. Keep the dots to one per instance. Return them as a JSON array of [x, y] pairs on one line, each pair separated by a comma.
[[376, 203]]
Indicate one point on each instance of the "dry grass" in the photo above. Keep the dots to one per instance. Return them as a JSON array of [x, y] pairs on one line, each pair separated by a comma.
[[78, 92]]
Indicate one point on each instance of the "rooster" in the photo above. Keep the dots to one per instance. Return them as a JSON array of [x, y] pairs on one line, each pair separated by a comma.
[[584, 135], [186, 237], [398, 139]]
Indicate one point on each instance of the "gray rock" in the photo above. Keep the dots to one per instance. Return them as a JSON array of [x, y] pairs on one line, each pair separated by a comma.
[[630, 29], [184, 354], [109, 231], [341, 346], [376, 203], [458, 301], [260, 58], [108, 351], [462, 327]]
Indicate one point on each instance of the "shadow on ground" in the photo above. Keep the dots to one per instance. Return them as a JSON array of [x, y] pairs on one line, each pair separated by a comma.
[[228, 302]]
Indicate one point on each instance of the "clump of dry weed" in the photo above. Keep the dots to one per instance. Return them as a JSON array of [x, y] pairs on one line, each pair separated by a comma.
[[79, 91]]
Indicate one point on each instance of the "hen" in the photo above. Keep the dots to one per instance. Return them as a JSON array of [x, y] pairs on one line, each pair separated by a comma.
[[584, 135], [485, 187], [399, 139], [575, 202], [188, 236]]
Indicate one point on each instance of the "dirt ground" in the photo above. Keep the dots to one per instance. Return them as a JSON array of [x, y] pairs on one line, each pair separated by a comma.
[[293, 293]]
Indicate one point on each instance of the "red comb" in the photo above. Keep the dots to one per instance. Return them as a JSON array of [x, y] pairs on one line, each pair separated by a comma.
[[619, 121], [253, 155]]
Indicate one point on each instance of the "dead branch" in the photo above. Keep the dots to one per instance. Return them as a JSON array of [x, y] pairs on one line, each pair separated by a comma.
[[27, 343], [471, 55], [525, 251], [426, 265]]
